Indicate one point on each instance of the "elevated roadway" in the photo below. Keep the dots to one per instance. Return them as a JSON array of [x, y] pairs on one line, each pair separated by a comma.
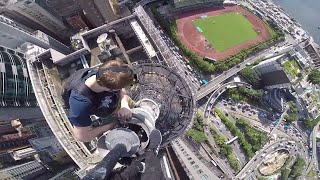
[[218, 91], [313, 143], [213, 84]]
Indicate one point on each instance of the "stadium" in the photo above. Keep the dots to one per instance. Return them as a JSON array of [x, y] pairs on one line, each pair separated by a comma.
[[217, 31]]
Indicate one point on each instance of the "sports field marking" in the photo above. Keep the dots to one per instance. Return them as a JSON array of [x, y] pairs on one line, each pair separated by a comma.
[[226, 30], [199, 29]]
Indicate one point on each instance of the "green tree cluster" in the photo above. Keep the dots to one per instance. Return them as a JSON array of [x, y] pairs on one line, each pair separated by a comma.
[[242, 93], [292, 113], [235, 95], [285, 174], [308, 123], [236, 132], [314, 76], [196, 133], [248, 74], [255, 94], [169, 25], [297, 168], [284, 169], [255, 137], [225, 149]]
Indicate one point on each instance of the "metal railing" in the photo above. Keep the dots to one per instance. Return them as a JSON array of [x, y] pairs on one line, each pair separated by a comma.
[[56, 116]]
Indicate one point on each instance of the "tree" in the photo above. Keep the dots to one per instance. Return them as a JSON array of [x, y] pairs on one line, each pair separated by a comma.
[[308, 123], [285, 174], [196, 136], [225, 149], [297, 168], [314, 76], [236, 132], [292, 113], [196, 133], [248, 74]]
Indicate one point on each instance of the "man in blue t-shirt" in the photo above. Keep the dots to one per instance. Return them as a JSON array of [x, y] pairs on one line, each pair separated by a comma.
[[107, 84]]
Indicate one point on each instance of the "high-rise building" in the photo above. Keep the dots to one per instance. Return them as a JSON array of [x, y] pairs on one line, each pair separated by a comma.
[[36, 12], [17, 99], [6, 128], [44, 140], [77, 22], [98, 12], [64, 8], [272, 74], [71, 12], [14, 141], [29, 170], [13, 35], [16, 86]]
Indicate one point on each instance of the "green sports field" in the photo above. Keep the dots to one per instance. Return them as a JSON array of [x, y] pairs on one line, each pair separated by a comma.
[[225, 30]]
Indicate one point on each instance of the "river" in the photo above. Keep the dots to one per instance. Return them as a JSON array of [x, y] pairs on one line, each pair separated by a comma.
[[306, 12]]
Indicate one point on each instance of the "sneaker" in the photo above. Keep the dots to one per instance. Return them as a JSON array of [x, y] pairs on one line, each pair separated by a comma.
[[155, 140]]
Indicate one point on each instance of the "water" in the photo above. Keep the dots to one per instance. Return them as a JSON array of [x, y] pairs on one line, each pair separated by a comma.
[[306, 12]]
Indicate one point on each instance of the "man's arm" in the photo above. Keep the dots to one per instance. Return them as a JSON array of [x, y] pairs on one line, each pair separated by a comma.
[[124, 112], [88, 133], [124, 98]]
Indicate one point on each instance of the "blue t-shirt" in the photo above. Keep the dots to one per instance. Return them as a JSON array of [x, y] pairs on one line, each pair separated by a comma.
[[81, 107]]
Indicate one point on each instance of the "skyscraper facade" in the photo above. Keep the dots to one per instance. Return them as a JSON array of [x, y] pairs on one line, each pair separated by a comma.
[[36, 12], [13, 35], [98, 12], [16, 89]]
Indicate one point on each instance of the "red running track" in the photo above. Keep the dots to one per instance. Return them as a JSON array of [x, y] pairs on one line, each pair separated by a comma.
[[194, 40]]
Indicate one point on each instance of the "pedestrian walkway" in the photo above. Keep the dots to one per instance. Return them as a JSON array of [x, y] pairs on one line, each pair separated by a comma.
[[196, 168]]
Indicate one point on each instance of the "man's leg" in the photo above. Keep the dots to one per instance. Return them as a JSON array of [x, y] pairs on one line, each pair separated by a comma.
[[152, 163]]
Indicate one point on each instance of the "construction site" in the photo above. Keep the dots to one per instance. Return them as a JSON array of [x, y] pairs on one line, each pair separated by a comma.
[[273, 162]]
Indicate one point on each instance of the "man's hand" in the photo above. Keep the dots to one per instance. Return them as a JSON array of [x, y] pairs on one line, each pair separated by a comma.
[[124, 114]]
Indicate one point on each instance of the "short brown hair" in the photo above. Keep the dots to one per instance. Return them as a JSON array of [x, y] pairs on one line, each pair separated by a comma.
[[114, 80]]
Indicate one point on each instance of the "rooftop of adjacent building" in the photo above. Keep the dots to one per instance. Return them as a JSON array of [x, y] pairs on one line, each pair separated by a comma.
[[274, 78], [49, 143]]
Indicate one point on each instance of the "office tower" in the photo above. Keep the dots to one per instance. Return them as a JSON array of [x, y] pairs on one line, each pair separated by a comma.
[[77, 22], [36, 14], [64, 8], [17, 99], [13, 35], [71, 12], [272, 74], [43, 141], [17, 88], [99, 12]]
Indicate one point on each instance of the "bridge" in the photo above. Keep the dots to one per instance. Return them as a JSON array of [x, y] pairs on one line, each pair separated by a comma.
[[231, 140]]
